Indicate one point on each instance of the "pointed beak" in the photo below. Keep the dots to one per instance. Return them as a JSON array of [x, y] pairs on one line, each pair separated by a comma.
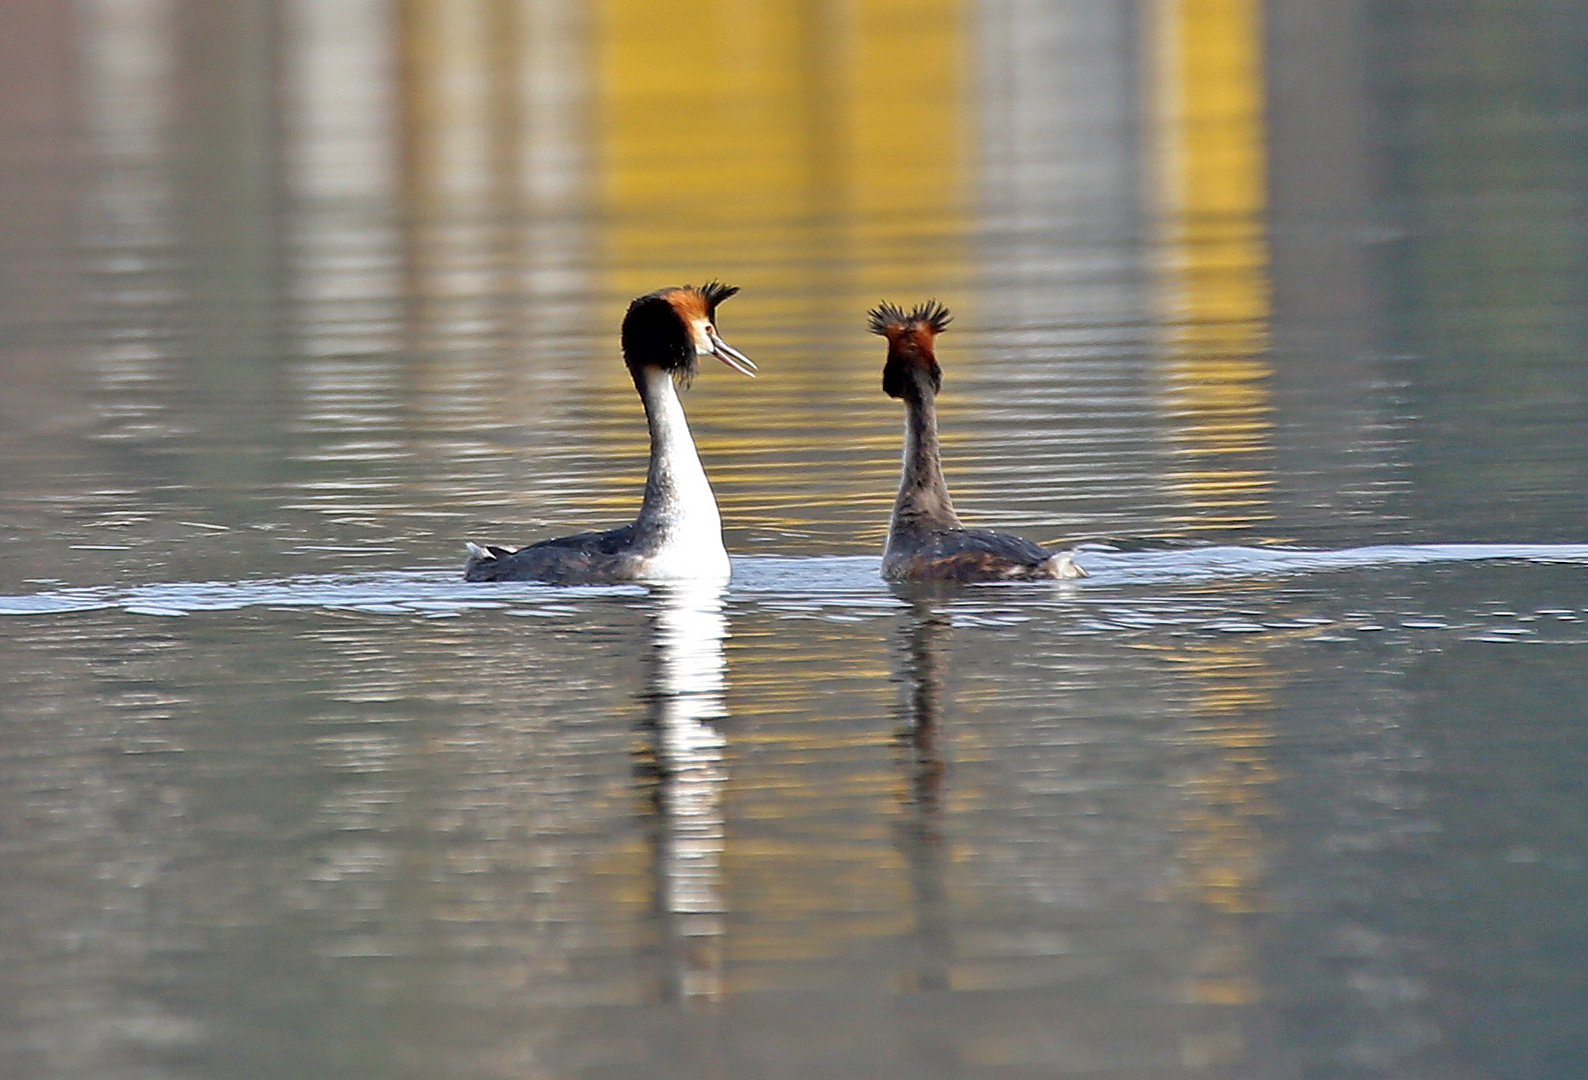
[[730, 356]]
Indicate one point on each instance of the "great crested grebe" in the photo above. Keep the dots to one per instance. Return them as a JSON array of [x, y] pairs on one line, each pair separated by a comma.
[[926, 541], [678, 535]]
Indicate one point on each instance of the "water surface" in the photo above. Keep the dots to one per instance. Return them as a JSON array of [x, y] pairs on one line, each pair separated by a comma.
[[1274, 311]]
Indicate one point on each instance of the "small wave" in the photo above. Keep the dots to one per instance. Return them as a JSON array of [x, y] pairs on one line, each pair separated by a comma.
[[437, 592], [1211, 563], [757, 579]]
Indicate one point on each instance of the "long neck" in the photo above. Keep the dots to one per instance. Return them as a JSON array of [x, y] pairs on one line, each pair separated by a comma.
[[923, 503], [679, 506]]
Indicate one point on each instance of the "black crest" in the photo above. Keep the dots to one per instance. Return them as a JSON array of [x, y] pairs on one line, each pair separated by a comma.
[[885, 317], [912, 361], [715, 293], [931, 316]]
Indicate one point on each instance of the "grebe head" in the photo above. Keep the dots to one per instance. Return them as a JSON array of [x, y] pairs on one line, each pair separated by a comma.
[[911, 338], [671, 328]]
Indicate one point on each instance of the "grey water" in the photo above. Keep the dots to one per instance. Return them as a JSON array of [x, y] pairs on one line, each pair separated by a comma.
[[297, 297]]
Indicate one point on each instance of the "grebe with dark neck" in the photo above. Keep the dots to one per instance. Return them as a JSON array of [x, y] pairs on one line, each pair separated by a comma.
[[926, 540], [678, 534]]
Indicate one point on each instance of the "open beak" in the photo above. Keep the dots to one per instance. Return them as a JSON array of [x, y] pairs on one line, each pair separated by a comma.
[[730, 356]]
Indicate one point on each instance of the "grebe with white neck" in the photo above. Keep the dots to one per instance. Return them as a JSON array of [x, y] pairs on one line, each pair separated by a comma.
[[678, 534], [926, 540]]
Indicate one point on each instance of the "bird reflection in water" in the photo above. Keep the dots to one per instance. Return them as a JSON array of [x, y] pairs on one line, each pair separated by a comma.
[[921, 664], [683, 776]]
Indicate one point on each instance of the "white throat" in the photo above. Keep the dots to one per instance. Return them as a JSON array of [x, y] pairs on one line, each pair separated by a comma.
[[678, 524]]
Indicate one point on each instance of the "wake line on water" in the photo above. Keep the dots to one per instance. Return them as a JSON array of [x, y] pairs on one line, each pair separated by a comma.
[[440, 593], [1217, 562]]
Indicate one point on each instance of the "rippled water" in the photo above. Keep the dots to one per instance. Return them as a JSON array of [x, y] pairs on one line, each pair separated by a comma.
[[296, 298]]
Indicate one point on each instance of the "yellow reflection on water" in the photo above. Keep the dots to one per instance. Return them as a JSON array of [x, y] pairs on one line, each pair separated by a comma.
[[1221, 847], [555, 160], [815, 155], [1212, 187], [810, 142]]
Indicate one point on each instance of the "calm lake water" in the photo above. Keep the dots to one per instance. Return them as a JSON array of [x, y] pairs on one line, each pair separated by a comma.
[[1277, 311]]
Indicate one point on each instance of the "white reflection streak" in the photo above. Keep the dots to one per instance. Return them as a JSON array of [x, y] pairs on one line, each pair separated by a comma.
[[342, 162], [554, 168], [688, 680], [128, 85], [128, 60]]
